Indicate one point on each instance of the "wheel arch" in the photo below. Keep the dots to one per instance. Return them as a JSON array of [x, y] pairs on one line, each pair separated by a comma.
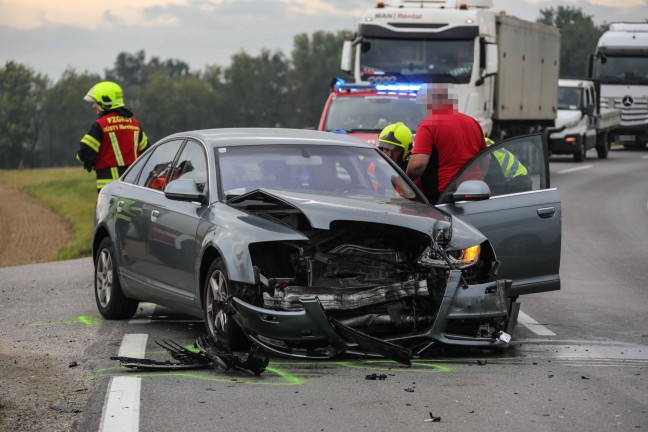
[[100, 234], [210, 255]]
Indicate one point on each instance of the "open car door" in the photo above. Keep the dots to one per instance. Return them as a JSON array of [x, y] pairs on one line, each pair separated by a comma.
[[520, 215]]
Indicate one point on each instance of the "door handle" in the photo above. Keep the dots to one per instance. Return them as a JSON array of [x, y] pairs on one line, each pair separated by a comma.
[[154, 215], [546, 212]]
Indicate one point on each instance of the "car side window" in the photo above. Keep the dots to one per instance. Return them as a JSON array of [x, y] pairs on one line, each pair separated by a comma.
[[192, 164], [159, 164], [516, 165], [135, 169]]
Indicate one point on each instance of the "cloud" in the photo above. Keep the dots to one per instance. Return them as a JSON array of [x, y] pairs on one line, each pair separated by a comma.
[[88, 35]]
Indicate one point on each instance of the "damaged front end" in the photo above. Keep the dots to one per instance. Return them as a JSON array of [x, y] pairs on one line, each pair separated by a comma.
[[372, 289]]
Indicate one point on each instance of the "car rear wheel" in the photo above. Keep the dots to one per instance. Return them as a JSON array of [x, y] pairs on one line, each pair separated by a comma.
[[217, 322], [111, 302]]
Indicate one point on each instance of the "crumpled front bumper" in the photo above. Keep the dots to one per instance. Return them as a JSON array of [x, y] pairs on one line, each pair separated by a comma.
[[489, 300]]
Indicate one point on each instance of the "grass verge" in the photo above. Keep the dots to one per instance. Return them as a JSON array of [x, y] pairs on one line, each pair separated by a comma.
[[69, 192]]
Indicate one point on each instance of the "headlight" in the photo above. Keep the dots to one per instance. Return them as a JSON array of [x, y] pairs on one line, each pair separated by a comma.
[[460, 259]]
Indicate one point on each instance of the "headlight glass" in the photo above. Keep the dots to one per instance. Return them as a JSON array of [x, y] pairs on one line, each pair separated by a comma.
[[461, 259]]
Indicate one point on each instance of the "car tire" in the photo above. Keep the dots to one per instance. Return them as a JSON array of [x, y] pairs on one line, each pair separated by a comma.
[[111, 301], [580, 153], [603, 145], [218, 323]]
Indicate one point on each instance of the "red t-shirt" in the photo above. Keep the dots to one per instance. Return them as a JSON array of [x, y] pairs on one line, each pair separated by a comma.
[[451, 139]]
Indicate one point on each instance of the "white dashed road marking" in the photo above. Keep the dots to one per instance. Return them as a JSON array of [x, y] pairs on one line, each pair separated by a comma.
[[533, 325], [574, 169], [121, 409]]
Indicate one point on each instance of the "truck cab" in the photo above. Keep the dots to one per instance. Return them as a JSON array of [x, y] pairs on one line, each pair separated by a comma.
[[581, 123], [503, 70], [620, 63]]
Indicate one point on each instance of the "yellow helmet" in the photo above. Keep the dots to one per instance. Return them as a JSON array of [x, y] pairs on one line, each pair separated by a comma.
[[396, 135], [107, 94]]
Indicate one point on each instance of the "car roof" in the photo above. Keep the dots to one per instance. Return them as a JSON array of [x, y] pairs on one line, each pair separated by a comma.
[[228, 137]]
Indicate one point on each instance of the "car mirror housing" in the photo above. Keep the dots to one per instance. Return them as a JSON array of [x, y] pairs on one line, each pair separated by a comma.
[[472, 190], [184, 190]]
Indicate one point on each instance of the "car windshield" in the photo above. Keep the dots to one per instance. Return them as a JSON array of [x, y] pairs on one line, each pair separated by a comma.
[[361, 173], [373, 113]]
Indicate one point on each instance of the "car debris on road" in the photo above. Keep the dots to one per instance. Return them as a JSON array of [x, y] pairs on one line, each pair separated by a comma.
[[212, 355]]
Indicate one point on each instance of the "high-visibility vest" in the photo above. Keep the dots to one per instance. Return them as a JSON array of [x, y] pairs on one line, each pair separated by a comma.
[[122, 140], [511, 166]]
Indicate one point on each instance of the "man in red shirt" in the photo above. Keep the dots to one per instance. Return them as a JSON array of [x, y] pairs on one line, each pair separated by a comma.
[[445, 140]]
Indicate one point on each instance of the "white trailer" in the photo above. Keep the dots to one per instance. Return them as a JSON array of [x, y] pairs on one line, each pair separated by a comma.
[[620, 64], [504, 71]]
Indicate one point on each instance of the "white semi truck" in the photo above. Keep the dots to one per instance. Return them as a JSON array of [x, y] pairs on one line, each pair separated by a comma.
[[503, 70], [620, 64]]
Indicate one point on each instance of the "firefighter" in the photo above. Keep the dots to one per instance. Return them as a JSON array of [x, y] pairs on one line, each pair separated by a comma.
[[395, 141], [115, 139], [516, 178]]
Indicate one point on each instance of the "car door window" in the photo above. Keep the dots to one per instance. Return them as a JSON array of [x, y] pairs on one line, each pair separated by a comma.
[[192, 164], [514, 166], [135, 169], [157, 167]]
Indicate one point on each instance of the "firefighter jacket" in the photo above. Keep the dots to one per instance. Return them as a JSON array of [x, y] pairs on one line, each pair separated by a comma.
[[111, 145]]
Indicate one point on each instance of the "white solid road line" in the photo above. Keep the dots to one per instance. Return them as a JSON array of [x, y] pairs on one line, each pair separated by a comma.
[[533, 325], [121, 409], [574, 169]]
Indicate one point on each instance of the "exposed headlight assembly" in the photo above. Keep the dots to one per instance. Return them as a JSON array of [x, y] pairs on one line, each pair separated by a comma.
[[455, 259]]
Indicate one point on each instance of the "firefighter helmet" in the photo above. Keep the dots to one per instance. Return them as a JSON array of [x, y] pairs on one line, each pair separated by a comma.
[[394, 136], [107, 94]]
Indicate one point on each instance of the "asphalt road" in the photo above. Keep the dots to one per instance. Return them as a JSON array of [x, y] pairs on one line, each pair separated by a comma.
[[579, 359]]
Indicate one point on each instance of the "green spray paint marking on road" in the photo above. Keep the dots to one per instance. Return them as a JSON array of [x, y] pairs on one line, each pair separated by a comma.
[[288, 378], [88, 320]]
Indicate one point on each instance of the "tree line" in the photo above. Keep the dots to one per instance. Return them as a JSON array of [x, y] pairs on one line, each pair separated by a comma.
[[42, 122]]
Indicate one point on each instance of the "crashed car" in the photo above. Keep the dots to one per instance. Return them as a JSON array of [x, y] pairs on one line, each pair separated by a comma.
[[314, 244]]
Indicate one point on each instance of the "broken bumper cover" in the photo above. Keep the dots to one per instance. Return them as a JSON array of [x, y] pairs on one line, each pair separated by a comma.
[[277, 331]]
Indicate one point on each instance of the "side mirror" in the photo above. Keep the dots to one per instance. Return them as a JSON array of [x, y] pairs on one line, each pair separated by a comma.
[[589, 110], [346, 61], [492, 60], [184, 190], [492, 63], [472, 190]]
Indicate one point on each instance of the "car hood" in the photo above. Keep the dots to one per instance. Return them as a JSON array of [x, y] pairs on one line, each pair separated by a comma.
[[322, 210], [568, 118]]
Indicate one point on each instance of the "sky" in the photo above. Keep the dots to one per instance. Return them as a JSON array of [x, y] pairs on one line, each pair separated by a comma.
[[87, 35]]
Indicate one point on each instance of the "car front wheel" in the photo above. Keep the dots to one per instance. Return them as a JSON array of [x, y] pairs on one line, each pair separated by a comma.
[[218, 323], [111, 302]]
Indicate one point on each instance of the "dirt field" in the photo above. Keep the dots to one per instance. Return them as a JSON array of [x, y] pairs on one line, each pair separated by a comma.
[[29, 231], [36, 393]]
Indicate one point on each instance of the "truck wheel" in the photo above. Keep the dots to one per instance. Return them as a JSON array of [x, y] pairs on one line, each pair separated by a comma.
[[580, 153], [603, 145]]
